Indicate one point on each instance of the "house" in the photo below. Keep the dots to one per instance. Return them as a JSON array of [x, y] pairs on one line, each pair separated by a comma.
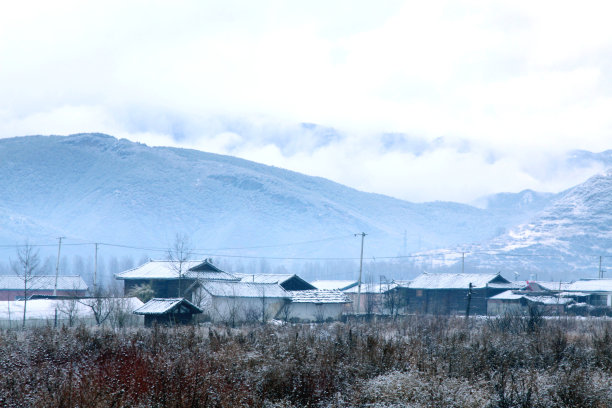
[[12, 286], [316, 305], [167, 312], [447, 293], [169, 279], [239, 301], [286, 281], [521, 302]]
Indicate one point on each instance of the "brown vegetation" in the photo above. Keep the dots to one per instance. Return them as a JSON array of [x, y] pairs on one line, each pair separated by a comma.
[[413, 361]]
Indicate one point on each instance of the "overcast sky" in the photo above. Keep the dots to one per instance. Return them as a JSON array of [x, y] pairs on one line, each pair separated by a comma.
[[421, 100]]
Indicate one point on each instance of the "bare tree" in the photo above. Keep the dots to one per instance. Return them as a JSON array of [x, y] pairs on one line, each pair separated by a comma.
[[26, 267], [178, 255], [101, 305], [70, 309]]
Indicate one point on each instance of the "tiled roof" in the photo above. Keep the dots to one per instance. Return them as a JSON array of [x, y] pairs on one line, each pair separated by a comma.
[[590, 285], [454, 280], [547, 300], [160, 306], [43, 282], [244, 289], [280, 279], [169, 270], [320, 296], [583, 285], [334, 284]]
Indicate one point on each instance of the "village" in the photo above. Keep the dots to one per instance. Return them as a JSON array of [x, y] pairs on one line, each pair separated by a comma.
[[170, 292]]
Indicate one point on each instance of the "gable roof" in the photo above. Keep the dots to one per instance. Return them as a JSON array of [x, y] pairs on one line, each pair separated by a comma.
[[456, 280], [320, 296], [287, 281], [43, 282], [335, 284], [158, 306], [590, 285], [161, 270], [244, 289], [543, 299]]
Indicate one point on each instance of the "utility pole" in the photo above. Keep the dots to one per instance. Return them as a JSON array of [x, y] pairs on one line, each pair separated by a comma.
[[469, 301], [363, 234], [59, 248], [600, 272], [95, 270]]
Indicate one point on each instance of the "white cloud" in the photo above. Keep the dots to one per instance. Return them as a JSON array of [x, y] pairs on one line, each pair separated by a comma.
[[521, 82]]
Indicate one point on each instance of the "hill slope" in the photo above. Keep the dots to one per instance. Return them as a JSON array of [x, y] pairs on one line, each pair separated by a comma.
[[97, 188]]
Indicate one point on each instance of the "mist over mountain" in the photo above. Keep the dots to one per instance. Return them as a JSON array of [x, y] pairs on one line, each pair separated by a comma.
[[564, 241], [96, 188]]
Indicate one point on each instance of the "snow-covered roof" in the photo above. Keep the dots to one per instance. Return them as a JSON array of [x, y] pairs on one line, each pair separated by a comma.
[[547, 300], [590, 285], [169, 270], [402, 283], [320, 296], [271, 278], [550, 285], [45, 308], [334, 284], [372, 288], [43, 282], [244, 289], [157, 306], [455, 280]]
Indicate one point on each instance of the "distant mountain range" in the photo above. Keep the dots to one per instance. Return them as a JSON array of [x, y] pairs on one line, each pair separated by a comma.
[[95, 188]]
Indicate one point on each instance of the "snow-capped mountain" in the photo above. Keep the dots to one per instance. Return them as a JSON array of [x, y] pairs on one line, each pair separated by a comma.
[[95, 188], [565, 240]]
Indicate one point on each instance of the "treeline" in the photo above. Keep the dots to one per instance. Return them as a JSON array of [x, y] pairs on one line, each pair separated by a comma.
[[414, 361]]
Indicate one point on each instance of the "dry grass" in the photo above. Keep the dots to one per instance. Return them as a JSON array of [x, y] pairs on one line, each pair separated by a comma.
[[415, 361]]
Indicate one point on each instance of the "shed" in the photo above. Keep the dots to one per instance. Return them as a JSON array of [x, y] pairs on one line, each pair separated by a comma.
[[519, 302], [168, 311], [373, 298], [316, 305], [239, 301]]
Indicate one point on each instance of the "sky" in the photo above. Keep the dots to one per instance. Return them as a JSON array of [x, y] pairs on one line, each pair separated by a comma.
[[436, 100]]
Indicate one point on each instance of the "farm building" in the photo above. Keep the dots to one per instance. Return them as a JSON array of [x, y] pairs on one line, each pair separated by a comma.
[[163, 277], [286, 281], [238, 301], [371, 298], [447, 293], [520, 302], [12, 286], [316, 305], [167, 312]]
